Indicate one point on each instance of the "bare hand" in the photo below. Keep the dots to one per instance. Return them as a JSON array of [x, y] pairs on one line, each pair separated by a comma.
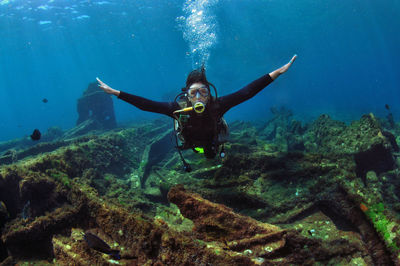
[[276, 73], [104, 86], [286, 67], [107, 88]]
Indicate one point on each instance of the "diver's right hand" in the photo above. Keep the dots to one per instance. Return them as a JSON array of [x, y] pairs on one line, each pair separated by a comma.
[[107, 88]]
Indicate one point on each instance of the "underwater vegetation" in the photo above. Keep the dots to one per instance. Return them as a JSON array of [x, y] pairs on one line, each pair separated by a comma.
[[287, 193]]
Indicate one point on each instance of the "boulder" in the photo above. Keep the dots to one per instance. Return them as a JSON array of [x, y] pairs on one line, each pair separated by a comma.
[[98, 106]]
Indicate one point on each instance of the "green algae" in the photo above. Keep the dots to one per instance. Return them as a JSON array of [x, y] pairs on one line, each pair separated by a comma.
[[274, 186], [376, 214], [61, 177]]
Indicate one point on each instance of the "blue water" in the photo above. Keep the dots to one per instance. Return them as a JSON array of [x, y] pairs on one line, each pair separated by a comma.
[[348, 55]]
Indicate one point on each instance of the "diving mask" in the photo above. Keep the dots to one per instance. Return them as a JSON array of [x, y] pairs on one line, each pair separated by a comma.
[[198, 91]]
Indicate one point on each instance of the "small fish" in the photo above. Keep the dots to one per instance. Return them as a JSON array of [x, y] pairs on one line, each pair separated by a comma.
[[387, 106], [98, 244], [36, 135], [45, 100]]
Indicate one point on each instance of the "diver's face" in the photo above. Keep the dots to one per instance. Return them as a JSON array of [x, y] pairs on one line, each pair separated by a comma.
[[198, 92]]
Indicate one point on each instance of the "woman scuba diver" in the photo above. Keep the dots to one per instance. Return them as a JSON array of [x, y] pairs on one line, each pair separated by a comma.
[[198, 115]]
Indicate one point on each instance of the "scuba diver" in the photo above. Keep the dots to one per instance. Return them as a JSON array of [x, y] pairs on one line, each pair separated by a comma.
[[197, 114]]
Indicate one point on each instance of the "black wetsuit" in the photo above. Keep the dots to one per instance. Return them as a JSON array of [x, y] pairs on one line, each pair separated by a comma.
[[200, 129]]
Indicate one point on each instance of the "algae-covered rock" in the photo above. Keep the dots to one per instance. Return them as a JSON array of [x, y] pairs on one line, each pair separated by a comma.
[[266, 243], [363, 139], [217, 222], [335, 137], [322, 206], [283, 131]]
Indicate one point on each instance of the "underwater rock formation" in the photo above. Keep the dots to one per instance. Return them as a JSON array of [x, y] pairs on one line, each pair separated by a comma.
[[155, 152], [305, 208], [216, 222], [279, 121], [20, 148], [97, 107], [284, 131], [268, 244], [57, 234], [363, 139]]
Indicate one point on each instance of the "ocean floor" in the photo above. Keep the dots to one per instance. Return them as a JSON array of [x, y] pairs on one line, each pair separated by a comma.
[[322, 193]]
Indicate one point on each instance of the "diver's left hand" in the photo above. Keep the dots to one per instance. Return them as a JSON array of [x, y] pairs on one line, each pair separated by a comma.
[[286, 67], [276, 73]]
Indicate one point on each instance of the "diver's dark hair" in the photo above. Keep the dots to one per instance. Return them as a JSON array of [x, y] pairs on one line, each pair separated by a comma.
[[198, 75]]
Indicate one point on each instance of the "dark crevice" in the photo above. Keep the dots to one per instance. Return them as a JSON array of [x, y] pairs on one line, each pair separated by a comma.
[[3, 251], [39, 249], [340, 221], [377, 159]]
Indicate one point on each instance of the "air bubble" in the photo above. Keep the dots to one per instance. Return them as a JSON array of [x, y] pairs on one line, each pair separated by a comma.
[[199, 29]]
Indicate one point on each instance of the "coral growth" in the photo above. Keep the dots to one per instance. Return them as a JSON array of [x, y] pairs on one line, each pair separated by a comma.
[[323, 193]]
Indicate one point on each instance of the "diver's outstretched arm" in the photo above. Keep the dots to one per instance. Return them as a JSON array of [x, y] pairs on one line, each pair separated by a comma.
[[166, 108], [250, 90], [107, 88], [274, 74]]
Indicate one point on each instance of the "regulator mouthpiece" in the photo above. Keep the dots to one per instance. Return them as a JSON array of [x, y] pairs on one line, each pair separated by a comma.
[[199, 107]]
